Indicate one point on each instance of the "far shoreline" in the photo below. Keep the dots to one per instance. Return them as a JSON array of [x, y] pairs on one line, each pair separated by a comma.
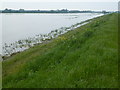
[[51, 11]]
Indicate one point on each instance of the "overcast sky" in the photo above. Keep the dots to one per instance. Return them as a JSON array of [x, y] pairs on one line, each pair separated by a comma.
[[109, 5], [60, 0]]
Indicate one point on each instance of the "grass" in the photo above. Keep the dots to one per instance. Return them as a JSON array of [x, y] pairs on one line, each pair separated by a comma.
[[86, 57]]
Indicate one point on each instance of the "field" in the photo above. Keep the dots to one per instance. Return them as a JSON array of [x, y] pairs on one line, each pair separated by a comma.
[[86, 57]]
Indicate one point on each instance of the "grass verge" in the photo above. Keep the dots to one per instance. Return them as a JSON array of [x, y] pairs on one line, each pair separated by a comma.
[[86, 57]]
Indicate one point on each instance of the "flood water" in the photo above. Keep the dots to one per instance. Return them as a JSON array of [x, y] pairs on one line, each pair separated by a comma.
[[21, 26]]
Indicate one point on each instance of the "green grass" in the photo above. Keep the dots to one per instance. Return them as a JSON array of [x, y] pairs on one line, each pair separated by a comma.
[[86, 57]]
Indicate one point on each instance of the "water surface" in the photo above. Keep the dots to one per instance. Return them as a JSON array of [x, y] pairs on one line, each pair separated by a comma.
[[21, 26]]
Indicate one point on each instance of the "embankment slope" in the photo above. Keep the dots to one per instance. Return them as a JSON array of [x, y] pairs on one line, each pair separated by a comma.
[[83, 58]]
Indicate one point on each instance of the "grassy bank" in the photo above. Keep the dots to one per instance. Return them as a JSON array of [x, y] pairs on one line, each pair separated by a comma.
[[83, 58]]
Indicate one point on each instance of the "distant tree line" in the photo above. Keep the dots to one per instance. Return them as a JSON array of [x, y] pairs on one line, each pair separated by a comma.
[[49, 11]]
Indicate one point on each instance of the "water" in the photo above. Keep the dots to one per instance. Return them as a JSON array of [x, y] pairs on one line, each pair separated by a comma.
[[21, 26]]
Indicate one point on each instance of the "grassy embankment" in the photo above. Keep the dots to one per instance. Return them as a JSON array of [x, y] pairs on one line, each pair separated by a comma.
[[83, 58]]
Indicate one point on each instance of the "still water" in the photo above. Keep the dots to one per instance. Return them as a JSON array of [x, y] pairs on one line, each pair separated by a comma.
[[21, 26]]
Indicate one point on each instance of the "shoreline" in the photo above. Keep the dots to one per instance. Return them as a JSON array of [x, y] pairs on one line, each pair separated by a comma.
[[44, 38]]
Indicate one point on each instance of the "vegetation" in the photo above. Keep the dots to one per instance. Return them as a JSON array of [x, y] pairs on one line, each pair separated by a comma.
[[82, 58], [50, 11]]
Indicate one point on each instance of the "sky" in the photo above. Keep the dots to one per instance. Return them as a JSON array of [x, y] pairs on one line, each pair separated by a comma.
[[109, 5], [59, 0]]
